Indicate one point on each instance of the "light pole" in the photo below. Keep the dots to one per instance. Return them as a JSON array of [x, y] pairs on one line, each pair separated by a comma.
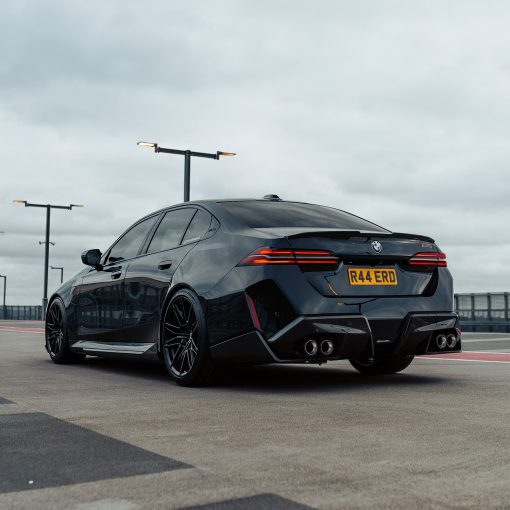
[[61, 273], [5, 288], [187, 160], [5, 284], [48, 208]]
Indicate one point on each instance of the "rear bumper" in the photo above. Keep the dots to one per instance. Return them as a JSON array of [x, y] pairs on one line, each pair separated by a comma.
[[353, 336]]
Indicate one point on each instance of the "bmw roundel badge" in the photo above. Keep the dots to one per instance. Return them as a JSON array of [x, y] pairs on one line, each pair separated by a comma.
[[376, 246]]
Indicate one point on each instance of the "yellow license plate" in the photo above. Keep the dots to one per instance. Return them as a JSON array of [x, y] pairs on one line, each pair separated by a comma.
[[369, 276]]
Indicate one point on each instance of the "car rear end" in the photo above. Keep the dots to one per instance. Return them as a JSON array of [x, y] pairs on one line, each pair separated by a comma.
[[358, 291]]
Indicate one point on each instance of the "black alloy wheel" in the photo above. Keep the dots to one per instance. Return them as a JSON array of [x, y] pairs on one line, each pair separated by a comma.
[[56, 334], [184, 341], [390, 365]]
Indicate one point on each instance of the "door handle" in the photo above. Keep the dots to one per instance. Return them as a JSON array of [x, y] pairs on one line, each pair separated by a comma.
[[164, 264], [116, 276]]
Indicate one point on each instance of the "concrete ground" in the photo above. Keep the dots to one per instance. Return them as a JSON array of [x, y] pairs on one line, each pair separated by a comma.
[[122, 436]]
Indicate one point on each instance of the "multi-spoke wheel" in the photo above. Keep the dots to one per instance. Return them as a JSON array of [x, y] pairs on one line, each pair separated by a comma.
[[56, 334], [184, 341], [54, 329]]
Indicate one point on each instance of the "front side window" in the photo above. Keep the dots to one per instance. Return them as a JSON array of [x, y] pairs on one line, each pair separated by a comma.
[[171, 229], [130, 243]]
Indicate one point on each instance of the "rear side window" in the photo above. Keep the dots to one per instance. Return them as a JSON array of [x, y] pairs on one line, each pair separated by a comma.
[[130, 243], [265, 214], [171, 229], [198, 227]]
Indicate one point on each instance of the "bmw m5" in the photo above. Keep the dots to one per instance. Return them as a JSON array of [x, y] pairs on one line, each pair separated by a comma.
[[210, 283]]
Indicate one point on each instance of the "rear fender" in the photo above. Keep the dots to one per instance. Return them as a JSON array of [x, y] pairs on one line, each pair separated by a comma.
[[172, 290]]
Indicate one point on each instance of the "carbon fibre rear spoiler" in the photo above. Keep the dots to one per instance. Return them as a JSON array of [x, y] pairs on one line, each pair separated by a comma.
[[359, 233]]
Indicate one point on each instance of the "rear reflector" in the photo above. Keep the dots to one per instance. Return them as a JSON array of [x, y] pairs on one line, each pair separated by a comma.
[[428, 259], [253, 312], [273, 256]]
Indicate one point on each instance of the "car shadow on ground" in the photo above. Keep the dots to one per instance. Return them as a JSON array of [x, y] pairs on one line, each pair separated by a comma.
[[278, 378], [299, 378]]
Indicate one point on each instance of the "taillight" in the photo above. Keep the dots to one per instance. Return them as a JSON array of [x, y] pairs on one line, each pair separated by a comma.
[[428, 259], [274, 256]]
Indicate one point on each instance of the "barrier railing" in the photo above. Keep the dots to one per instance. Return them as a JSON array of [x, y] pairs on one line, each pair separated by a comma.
[[477, 311], [483, 311], [20, 313]]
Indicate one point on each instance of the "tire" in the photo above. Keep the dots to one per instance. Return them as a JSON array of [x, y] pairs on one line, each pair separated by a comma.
[[184, 341], [55, 330], [382, 366]]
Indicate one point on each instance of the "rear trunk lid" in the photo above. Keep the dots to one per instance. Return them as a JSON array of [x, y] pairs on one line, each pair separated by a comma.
[[371, 263]]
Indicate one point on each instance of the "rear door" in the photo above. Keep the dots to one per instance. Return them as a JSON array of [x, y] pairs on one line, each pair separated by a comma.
[[101, 293], [148, 278]]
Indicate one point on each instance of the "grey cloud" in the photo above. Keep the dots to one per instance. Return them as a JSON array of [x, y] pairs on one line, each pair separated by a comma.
[[397, 111]]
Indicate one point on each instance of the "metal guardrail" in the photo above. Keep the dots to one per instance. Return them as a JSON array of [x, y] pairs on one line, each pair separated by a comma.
[[484, 311], [20, 313], [477, 312]]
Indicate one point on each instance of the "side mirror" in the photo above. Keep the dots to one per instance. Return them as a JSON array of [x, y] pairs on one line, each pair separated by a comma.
[[92, 258]]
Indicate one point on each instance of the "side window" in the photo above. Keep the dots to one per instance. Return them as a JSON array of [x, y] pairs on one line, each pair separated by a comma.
[[129, 244], [198, 227], [171, 229]]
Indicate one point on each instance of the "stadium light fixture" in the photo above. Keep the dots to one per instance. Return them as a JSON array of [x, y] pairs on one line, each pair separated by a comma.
[[48, 208], [187, 160]]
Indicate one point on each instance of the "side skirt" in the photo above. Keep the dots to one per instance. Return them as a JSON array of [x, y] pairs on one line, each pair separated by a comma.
[[115, 348]]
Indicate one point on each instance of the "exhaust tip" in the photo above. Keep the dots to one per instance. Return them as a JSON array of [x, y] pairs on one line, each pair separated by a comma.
[[327, 347], [311, 347], [451, 341], [441, 341]]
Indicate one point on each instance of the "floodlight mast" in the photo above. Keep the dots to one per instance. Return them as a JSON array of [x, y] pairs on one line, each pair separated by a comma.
[[5, 291], [61, 269], [187, 160], [48, 208]]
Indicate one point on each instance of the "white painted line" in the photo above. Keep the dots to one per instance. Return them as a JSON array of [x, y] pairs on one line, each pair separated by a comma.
[[476, 352], [464, 341], [433, 358]]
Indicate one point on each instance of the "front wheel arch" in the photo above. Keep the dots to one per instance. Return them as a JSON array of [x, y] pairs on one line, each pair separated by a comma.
[[50, 302], [59, 324]]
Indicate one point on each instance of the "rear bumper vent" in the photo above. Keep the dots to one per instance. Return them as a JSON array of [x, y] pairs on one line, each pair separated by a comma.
[[270, 309]]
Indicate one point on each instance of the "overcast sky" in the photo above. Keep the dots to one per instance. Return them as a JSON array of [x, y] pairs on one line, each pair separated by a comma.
[[397, 111]]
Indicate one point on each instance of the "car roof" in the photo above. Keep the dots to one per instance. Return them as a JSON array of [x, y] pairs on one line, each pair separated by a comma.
[[209, 202], [213, 206]]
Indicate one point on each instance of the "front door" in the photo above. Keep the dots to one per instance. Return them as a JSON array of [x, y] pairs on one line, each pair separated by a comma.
[[101, 293]]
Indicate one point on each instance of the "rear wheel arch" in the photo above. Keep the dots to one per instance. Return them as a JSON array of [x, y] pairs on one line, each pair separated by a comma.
[[170, 294], [185, 345]]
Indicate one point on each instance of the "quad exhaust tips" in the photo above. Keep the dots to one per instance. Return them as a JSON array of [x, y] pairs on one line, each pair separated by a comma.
[[312, 347], [443, 341], [327, 347], [451, 341]]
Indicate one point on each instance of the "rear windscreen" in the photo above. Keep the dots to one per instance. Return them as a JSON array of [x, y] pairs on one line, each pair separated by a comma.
[[262, 214]]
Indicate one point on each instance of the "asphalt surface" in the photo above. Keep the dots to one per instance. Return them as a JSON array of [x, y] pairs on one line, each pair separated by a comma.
[[120, 435]]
